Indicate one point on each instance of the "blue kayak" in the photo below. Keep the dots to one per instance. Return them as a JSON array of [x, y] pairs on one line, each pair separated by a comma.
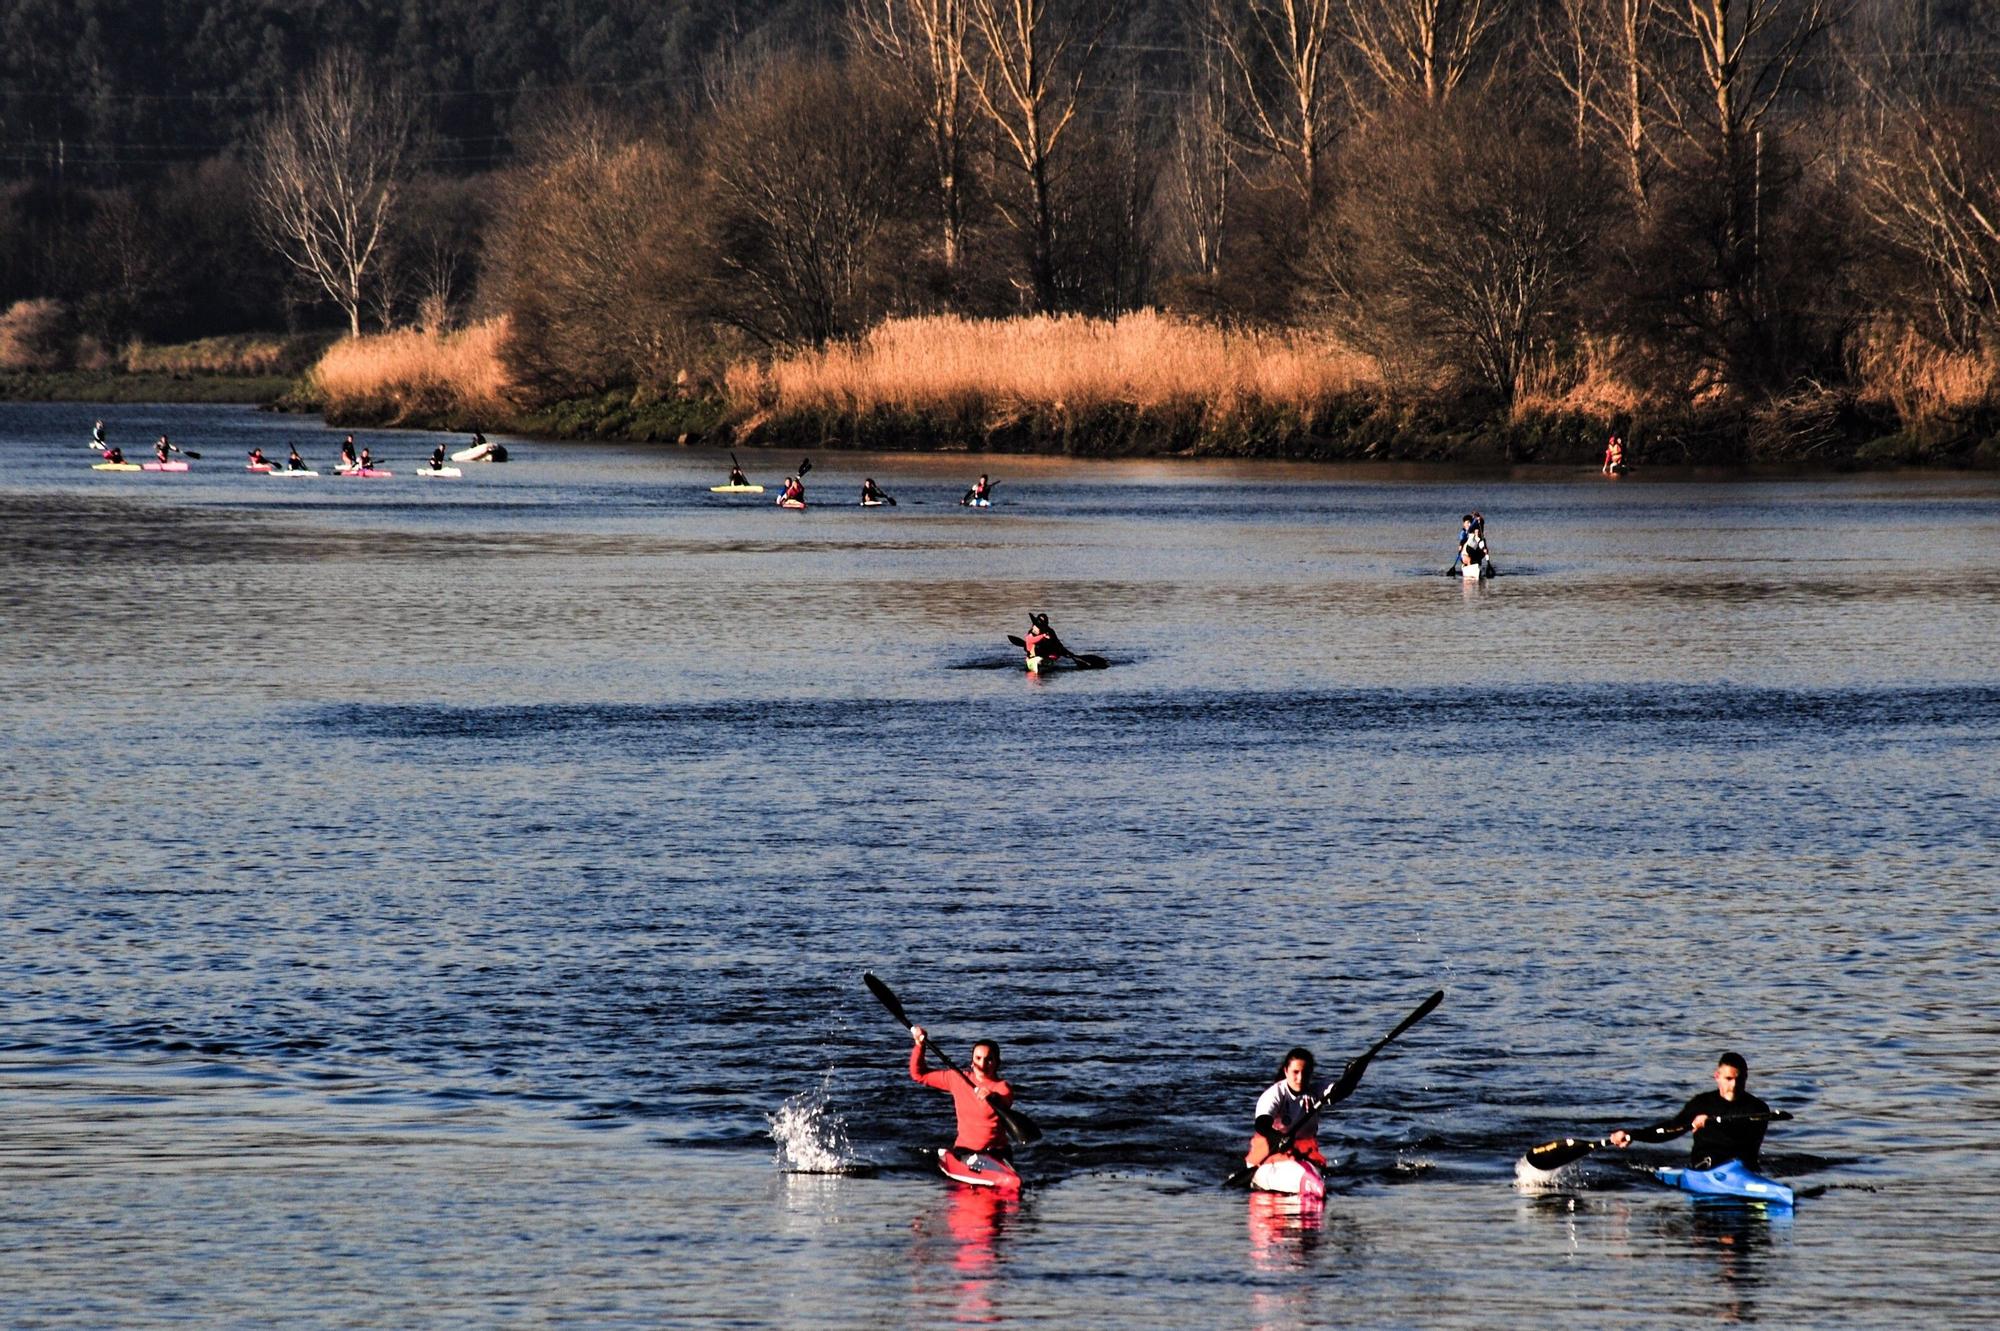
[[1729, 1181]]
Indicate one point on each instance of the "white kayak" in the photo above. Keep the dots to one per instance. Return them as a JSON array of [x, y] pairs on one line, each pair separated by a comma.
[[1474, 572], [1291, 1176], [291, 471], [439, 471]]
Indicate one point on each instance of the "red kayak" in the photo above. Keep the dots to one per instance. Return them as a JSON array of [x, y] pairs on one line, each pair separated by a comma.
[[976, 1170]]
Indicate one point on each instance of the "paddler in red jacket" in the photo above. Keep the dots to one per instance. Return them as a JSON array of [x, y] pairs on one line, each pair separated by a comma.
[[979, 1128], [1041, 639]]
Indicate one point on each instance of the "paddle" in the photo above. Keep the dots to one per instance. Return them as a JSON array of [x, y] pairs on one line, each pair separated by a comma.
[[1018, 1124], [1086, 661], [184, 452], [1350, 1078], [805, 465], [1551, 1156]]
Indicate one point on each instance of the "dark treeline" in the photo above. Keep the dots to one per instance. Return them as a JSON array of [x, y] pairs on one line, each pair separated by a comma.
[[1652, 201]]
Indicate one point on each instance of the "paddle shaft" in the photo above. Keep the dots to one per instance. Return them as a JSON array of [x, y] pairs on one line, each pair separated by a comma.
[[1553, 1155], [1019, 1126], [1087, 660], [1350, 1078]]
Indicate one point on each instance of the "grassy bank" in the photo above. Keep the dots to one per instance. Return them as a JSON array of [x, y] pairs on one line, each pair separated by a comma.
[[120, 386]]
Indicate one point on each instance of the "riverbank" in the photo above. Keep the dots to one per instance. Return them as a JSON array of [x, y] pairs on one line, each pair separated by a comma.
[[1138, 387]]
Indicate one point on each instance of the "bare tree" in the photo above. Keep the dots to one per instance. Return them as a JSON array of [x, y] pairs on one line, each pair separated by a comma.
[[1928, 165], [1420, 50], [926, 44], [1604, 55], [1281, 53], [598, 259], [329, 165], [810, 179], [1202, 163], [1469, 243], [1028, 78]]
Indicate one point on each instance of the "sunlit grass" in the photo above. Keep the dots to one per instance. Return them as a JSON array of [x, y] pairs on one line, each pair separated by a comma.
[[410, 372], [1067, 363]]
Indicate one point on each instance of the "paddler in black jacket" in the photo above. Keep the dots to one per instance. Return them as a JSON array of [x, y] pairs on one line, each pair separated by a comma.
[[1728, 1122]]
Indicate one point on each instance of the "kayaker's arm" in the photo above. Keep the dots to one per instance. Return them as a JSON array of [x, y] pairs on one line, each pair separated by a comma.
[[1663, 1131]]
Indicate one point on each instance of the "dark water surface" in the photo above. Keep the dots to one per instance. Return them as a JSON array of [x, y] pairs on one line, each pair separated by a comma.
[[434, 902]]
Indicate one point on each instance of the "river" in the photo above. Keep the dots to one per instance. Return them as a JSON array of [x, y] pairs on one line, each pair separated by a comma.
[[444, 902]]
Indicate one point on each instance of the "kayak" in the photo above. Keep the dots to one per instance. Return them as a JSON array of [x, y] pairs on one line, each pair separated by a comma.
[[736, 489], [439, 471], [1473, 572], [259, 467], [1042, 665], [1291, 1176], [791, 503], [978, 1171], [486, 452], [979, 503], [873, 503], [163, 466], [293, 471], [364, 472], [116, 466], [1729, 1181]]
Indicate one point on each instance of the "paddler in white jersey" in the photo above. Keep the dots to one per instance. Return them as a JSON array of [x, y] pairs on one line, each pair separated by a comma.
[[1285, 1108]]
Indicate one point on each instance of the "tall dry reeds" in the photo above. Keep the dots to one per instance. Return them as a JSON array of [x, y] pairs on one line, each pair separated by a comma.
[[1068, 363], [407, 375], [1920, 380], [35, 336], [1585, 382]]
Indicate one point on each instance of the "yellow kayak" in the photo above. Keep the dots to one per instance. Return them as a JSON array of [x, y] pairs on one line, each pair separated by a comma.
[[116, 466], [736, 489]]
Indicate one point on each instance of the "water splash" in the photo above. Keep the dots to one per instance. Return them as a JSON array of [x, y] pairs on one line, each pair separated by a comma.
[[811, 1137]]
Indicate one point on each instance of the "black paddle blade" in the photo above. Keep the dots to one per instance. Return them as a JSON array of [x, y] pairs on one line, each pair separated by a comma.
[[1552, 1156], [1019, 1126], [887, 997], [1016, 640], [805, 465], [1089, 662]]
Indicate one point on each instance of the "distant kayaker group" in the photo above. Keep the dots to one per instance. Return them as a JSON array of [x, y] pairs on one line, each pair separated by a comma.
[[169, 456]]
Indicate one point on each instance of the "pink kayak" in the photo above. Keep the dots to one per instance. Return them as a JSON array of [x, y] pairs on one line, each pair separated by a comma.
[[365, 472], [163, 466], [977, 1170]]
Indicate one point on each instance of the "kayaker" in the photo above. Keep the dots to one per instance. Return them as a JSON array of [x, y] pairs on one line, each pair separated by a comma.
[[163, 448], [1285, 1107], [437, 458], [257, 458], [1042, 640], [872, 493], [795, 491], [736, 476], [1614, 456], [348, 462], [294, 462], [979, 1128], [981, 489], [367, 460], [97, 436], [114, 454], [1727, 1122]]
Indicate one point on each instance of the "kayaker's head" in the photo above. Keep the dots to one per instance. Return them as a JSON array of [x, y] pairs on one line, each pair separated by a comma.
[[1732, 1074], [1297, 1069], [986, 1060], [1039, 621]]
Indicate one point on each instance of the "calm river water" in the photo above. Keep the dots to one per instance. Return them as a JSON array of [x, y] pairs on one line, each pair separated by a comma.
[[444, 902]]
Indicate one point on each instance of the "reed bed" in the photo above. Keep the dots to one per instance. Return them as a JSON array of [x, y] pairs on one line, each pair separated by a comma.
[[1067, 364], [1920, 380], [408, 374]]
